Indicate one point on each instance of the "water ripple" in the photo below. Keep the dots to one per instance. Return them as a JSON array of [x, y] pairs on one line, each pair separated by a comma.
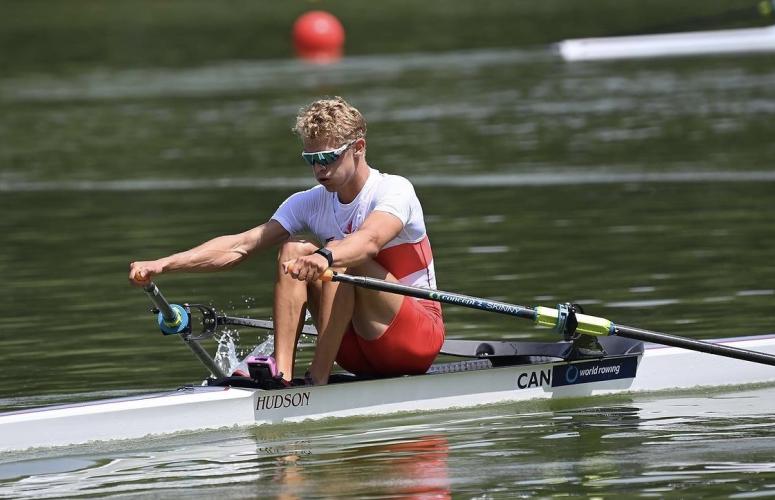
[[558, 178]]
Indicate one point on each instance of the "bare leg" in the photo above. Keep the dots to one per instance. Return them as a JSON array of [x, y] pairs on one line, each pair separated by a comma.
[[370, 312], [290, 301], [334, 314], [374, 310]]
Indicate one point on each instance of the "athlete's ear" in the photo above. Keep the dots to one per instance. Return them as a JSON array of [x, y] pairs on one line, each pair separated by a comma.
[[359, 146]]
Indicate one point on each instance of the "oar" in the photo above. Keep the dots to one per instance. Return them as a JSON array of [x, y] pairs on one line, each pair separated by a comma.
[[174, 320], [462, 348], [557, 318], [263, 324]]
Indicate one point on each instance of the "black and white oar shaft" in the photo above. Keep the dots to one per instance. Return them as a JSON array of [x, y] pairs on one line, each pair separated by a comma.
[[694, 345], [553, 318], [435, 295]]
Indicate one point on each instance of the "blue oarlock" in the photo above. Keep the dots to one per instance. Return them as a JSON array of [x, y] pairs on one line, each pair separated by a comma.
[[178, 325]]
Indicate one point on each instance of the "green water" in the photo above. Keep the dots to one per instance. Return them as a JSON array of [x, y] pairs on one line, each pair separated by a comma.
[[643, 190]]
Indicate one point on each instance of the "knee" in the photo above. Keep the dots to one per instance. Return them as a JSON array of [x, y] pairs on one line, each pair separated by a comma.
[[294, 249]]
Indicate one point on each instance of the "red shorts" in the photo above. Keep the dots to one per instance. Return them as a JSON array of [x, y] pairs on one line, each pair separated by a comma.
[[409, 345]]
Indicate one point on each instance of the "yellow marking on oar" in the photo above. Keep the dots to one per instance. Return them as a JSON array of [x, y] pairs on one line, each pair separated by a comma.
[[591, 325]]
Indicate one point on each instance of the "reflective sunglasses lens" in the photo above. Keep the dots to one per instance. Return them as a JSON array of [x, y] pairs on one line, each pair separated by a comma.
[[309, 158], [323, 159], [328, 158]]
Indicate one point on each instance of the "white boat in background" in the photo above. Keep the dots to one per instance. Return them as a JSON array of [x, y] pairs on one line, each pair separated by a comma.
[[748, 40], [449, 385]]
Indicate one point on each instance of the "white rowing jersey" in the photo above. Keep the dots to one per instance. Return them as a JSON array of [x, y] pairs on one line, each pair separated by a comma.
[[408, 256]]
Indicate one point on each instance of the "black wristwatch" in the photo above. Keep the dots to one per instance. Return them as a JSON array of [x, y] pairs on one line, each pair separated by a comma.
[[325, 252]]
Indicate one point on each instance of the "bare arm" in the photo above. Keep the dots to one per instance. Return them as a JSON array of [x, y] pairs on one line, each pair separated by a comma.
[[219, 253], [365, 243]]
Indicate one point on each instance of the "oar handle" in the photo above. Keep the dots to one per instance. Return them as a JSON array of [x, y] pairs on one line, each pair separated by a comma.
[[328, 274]]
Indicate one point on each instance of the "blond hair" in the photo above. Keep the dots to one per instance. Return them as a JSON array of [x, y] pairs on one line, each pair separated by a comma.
[[330, 119]]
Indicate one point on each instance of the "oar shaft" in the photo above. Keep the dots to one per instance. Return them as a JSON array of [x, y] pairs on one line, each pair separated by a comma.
[[464, 348], [258, 323], [204, 357], [694, 345], [164, 307], [590, 325], [436, 295], [171, 315]]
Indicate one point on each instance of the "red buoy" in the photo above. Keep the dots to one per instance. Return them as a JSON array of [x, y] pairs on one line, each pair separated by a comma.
[[318, 36]]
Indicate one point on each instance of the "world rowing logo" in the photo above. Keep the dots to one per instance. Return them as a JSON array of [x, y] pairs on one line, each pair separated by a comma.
[[571, 374], [594, 371]]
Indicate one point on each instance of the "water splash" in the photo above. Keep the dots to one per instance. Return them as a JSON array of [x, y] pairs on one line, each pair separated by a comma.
[[230, 355], [265, 348], [226, 354]]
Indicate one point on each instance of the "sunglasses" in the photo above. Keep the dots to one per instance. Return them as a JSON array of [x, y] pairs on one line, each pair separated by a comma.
[[325, 158]]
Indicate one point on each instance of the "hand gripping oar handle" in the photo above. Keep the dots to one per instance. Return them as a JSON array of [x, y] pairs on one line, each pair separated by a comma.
[[174, 319], [546, 316]]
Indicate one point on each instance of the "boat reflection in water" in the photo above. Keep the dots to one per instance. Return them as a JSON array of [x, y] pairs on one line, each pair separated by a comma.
[[415, 467], [713, 441]]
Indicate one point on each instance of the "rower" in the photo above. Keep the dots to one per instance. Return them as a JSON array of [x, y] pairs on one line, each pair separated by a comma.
[[365, 222]]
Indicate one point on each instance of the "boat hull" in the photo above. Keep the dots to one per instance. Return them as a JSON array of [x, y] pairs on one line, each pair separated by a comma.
[[465, 384]]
